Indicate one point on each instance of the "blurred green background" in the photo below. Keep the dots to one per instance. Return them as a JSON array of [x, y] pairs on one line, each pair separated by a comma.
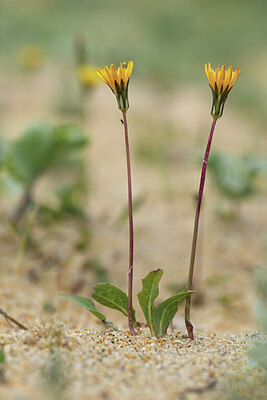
[[169, 40]]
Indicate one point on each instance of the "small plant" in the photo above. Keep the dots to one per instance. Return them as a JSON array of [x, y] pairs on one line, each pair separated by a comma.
[[55, 377], [221, 82], [40, 150], [158, 318], [234, 176]]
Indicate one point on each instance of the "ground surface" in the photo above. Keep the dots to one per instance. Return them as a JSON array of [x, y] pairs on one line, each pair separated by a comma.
[[98, 364], [114, 365]]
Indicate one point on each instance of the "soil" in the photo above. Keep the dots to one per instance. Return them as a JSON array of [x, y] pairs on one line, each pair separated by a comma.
[[103, 364]]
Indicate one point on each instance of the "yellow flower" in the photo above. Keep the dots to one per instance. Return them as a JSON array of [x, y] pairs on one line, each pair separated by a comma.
[[87, 76], [221, 82], [30, 57], [118, 81]]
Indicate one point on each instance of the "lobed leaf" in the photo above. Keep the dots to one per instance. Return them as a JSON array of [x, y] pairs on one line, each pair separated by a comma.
[[112, 297], [147, 296], [165, 312], [89, 305]]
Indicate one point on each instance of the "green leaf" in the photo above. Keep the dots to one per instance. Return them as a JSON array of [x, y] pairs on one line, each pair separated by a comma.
[[27, 156], [2, 356], [89, 305], [148, 295], [165, 312], [112, 297], [41, 148]]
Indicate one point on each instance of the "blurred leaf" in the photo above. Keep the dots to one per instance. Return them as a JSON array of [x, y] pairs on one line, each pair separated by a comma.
[[41, 148], [148, 295], [55, 376], [226, 212], [2, 356], [84, 242], [258, 352], [137, 203], [89, 305], [112, 297], [217, 280], [100, 272], [226, 300], [10, 185], [70, 199], [165, 312], [235, 176], [28, 155], [3, 148]]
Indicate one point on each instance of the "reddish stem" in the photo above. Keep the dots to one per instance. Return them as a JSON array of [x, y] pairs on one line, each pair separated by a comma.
[[188, 324], [131, 234]]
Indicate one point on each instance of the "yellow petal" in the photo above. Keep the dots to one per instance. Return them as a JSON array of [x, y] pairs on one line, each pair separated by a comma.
[[101, 73], [228, 78], [114, 74], [234, 78], [221, 78], [110, 77]]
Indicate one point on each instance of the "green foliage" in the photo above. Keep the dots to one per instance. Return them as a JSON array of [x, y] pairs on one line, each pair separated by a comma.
[[166, 311], [89, 305], [54, 374], [95, 265], [148, 295], [158, 318], [2, 356], [69, 203], [42, 148], [112, 297], [235, 176], [45, 149]]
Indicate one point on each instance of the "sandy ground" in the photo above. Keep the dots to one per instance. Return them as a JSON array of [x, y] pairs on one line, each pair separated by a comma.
[[228, 251], [110, 365]]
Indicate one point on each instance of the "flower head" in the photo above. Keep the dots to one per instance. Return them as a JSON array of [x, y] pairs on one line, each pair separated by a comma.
[[30, 57], [87, 76], [118, 81], [221, 82]]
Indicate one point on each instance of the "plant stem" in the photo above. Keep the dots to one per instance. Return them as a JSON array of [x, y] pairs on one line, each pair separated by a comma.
[[131, 235], [188, 324], [23, 205]]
